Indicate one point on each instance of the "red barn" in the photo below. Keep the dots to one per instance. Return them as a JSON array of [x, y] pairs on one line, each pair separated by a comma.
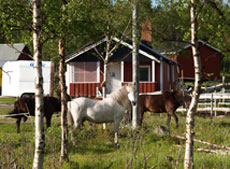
[[210, 62], [85, 69]]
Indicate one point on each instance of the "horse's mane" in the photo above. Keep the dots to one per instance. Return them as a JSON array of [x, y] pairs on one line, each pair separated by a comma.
[[119, 95]]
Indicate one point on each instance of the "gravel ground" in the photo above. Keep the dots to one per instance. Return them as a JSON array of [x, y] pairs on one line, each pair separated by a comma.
[[5, 106]]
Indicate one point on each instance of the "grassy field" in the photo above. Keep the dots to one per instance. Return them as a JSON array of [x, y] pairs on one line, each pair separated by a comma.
[[7, 100], [93, 147]]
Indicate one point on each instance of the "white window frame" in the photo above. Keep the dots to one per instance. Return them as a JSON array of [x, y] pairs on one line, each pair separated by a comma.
[[146, 66], [161, 75], [122, 71], [153, 72]]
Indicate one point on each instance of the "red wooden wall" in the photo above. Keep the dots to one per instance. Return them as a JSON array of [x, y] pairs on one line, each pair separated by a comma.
[[210, 60], [147, 87], [90, 89], [83, 89], [128, 70]]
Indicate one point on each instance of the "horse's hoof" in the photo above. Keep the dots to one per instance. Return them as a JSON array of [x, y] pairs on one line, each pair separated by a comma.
[[117, 145], [24, 119]]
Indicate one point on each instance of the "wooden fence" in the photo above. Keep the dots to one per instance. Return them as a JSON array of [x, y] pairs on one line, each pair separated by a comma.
[[212, 103]]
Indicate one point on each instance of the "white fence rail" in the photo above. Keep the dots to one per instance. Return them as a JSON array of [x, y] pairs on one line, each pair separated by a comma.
[[213, 103]]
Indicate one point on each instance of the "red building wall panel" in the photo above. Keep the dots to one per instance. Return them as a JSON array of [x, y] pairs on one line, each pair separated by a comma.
[[210, 61], [157, 72], [128, 71], [165, 76], [147, 87], [83, 89], [89, 89]]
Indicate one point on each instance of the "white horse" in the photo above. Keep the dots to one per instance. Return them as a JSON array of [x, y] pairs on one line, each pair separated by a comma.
[[110, 109]]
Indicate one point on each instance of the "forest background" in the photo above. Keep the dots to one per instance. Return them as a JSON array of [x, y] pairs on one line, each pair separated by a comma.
[[85, 21]]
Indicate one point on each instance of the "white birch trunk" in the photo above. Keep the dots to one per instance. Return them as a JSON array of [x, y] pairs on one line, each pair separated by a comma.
[[106, 62], [39, 110], [64, 126], [135, 39], [188, 159]]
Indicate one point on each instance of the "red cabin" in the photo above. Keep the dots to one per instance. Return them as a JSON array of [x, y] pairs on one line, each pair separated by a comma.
[[85, 69], [210, 62]]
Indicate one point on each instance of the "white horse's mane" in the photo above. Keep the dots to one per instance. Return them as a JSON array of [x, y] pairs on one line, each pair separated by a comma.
[[120, 95]]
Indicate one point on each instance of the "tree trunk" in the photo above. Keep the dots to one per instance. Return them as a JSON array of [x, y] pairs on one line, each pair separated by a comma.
[[135, 39], [188, 159], [106, 62], [64, 125], [39, 108]]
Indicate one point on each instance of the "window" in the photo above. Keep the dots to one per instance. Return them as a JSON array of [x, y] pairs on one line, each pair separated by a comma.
[[85, 72], [144, 73]]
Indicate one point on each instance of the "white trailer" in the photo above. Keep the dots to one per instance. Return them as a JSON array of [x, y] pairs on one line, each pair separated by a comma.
[[18, 78]]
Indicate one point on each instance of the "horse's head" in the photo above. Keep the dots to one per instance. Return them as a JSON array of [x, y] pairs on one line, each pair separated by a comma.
[[58, 92], [131, 93], [183, 98]]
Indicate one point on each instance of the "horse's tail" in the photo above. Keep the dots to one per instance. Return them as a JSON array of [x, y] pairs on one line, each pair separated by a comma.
[[69, 115], [15, 113]]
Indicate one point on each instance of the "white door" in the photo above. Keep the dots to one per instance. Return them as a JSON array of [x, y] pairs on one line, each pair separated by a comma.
[[114, 77]]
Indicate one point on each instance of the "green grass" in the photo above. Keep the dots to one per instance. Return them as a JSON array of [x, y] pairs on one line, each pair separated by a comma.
[[7, 100], [94, 147]]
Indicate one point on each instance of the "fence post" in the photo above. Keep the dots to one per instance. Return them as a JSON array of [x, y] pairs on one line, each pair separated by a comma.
[[216, 107], [223, 84], [211, 113]]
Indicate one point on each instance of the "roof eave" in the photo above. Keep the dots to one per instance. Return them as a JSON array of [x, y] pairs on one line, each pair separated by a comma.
[[74, 55]]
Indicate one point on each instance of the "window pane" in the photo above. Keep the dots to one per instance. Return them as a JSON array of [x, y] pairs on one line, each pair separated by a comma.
[[79, 77], [78, 72], [144, 74], [90, 72], [85, 72]]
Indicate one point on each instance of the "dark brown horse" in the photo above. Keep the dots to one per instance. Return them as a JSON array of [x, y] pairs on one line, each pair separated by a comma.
[[27, 105], [168, 102]]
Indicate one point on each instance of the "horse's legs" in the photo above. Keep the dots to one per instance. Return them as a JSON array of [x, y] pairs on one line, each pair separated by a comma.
[[116, 143], [171, 113], [48, 121], [18, 124], [141, 114], [116, 128], [168, 120], [24, 118]]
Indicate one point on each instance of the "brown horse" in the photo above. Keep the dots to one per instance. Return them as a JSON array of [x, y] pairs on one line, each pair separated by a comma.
[[27, 104], [168, 102]]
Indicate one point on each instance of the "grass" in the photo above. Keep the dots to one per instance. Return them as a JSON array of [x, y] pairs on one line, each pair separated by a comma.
[[7, 100], [94, 147]]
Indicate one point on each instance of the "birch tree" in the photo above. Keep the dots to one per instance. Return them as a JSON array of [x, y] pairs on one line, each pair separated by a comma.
[[63, 97], [136, 74], [114, 10], [188, 159], [64, 125], [39, 110]]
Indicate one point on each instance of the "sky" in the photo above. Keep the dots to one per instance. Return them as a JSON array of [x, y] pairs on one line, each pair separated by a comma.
[[154, 2]]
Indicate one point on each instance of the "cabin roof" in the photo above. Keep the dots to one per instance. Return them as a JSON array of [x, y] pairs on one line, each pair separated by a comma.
[[122, 53], [177, 47], [204, 43], [10, 52]]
